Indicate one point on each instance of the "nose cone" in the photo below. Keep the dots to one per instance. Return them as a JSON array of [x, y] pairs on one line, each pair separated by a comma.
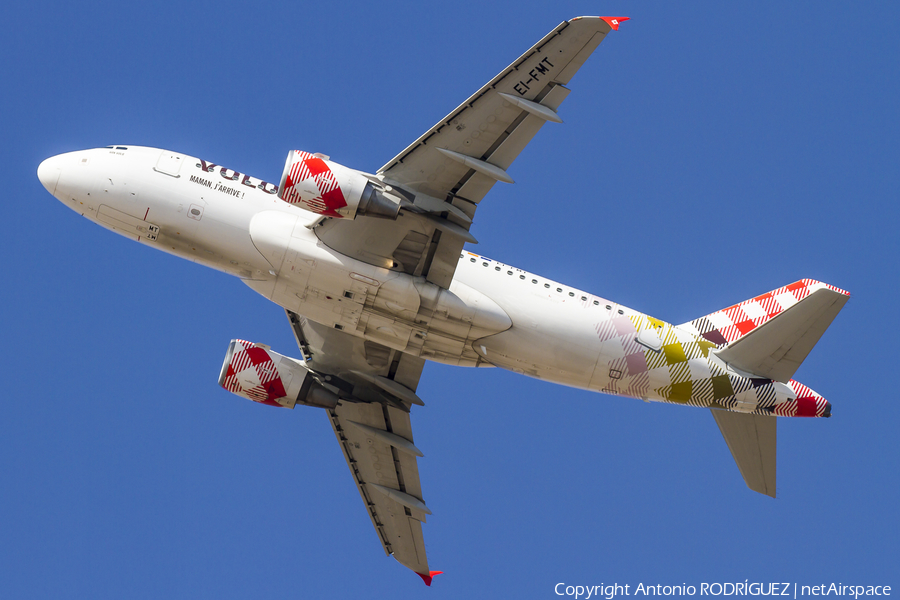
[[48, 172]]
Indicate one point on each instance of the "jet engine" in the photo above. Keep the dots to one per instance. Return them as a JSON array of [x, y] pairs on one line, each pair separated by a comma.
[[255, 372], [319, 185]]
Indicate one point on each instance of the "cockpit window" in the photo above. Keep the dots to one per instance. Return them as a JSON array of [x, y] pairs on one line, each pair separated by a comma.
[[121, 148]]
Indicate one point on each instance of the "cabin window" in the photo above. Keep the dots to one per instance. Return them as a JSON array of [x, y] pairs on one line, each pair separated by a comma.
[[521, 277], [621, 312], [472, 259], [572, 294], [608, 307], [596, 303], [509, 272], [484, 264], [496, 268], [534, 281], [584, 298], [546, 285]]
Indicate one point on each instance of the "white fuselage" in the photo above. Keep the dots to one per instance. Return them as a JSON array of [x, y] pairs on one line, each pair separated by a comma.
[[228, 221], [492, 314]]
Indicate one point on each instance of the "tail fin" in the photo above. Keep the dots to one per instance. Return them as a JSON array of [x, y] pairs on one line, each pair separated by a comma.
[[770, 335]]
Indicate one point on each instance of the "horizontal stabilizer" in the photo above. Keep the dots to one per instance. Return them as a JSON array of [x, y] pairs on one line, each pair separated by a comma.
[[751, 439], [776, 348]]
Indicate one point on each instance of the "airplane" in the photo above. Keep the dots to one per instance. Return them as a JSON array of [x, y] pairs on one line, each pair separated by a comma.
[[374, 277]]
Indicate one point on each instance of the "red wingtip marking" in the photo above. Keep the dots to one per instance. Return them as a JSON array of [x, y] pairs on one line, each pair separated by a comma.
[[427, 578], [614, 21]]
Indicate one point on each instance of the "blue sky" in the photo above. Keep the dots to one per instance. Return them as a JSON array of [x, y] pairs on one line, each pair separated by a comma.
[[710, 153]]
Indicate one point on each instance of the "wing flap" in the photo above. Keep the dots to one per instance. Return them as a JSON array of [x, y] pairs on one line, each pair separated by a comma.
[[752, 441], [374, 463], [550, 62], [524, 131], [776, 348], [460, 158], [371, 457], [446, 253]]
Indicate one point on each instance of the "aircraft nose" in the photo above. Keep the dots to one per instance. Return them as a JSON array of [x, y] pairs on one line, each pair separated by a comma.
[[48, 172]]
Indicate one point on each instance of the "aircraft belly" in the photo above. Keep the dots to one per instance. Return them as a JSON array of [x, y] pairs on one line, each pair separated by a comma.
[[568, 358], [388, 307], [270, 231]]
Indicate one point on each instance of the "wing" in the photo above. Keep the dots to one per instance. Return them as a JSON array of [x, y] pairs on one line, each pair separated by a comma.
[[460, 159], [386, 475], [372, 426], [752, 441]]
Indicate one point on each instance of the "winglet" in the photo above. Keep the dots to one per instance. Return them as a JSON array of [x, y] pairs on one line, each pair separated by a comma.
[[614, 21], [427, 578]]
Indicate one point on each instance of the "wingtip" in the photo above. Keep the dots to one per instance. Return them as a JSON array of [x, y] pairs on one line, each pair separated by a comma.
[[615, 21], [427, 578]]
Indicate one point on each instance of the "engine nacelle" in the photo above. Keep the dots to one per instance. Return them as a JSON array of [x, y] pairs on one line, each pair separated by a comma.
[[319, 185], [255, 372]]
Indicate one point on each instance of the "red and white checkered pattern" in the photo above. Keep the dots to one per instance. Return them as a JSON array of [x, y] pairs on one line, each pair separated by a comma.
[[311, 184], [736, 321], [807, 404], [252, 374]]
